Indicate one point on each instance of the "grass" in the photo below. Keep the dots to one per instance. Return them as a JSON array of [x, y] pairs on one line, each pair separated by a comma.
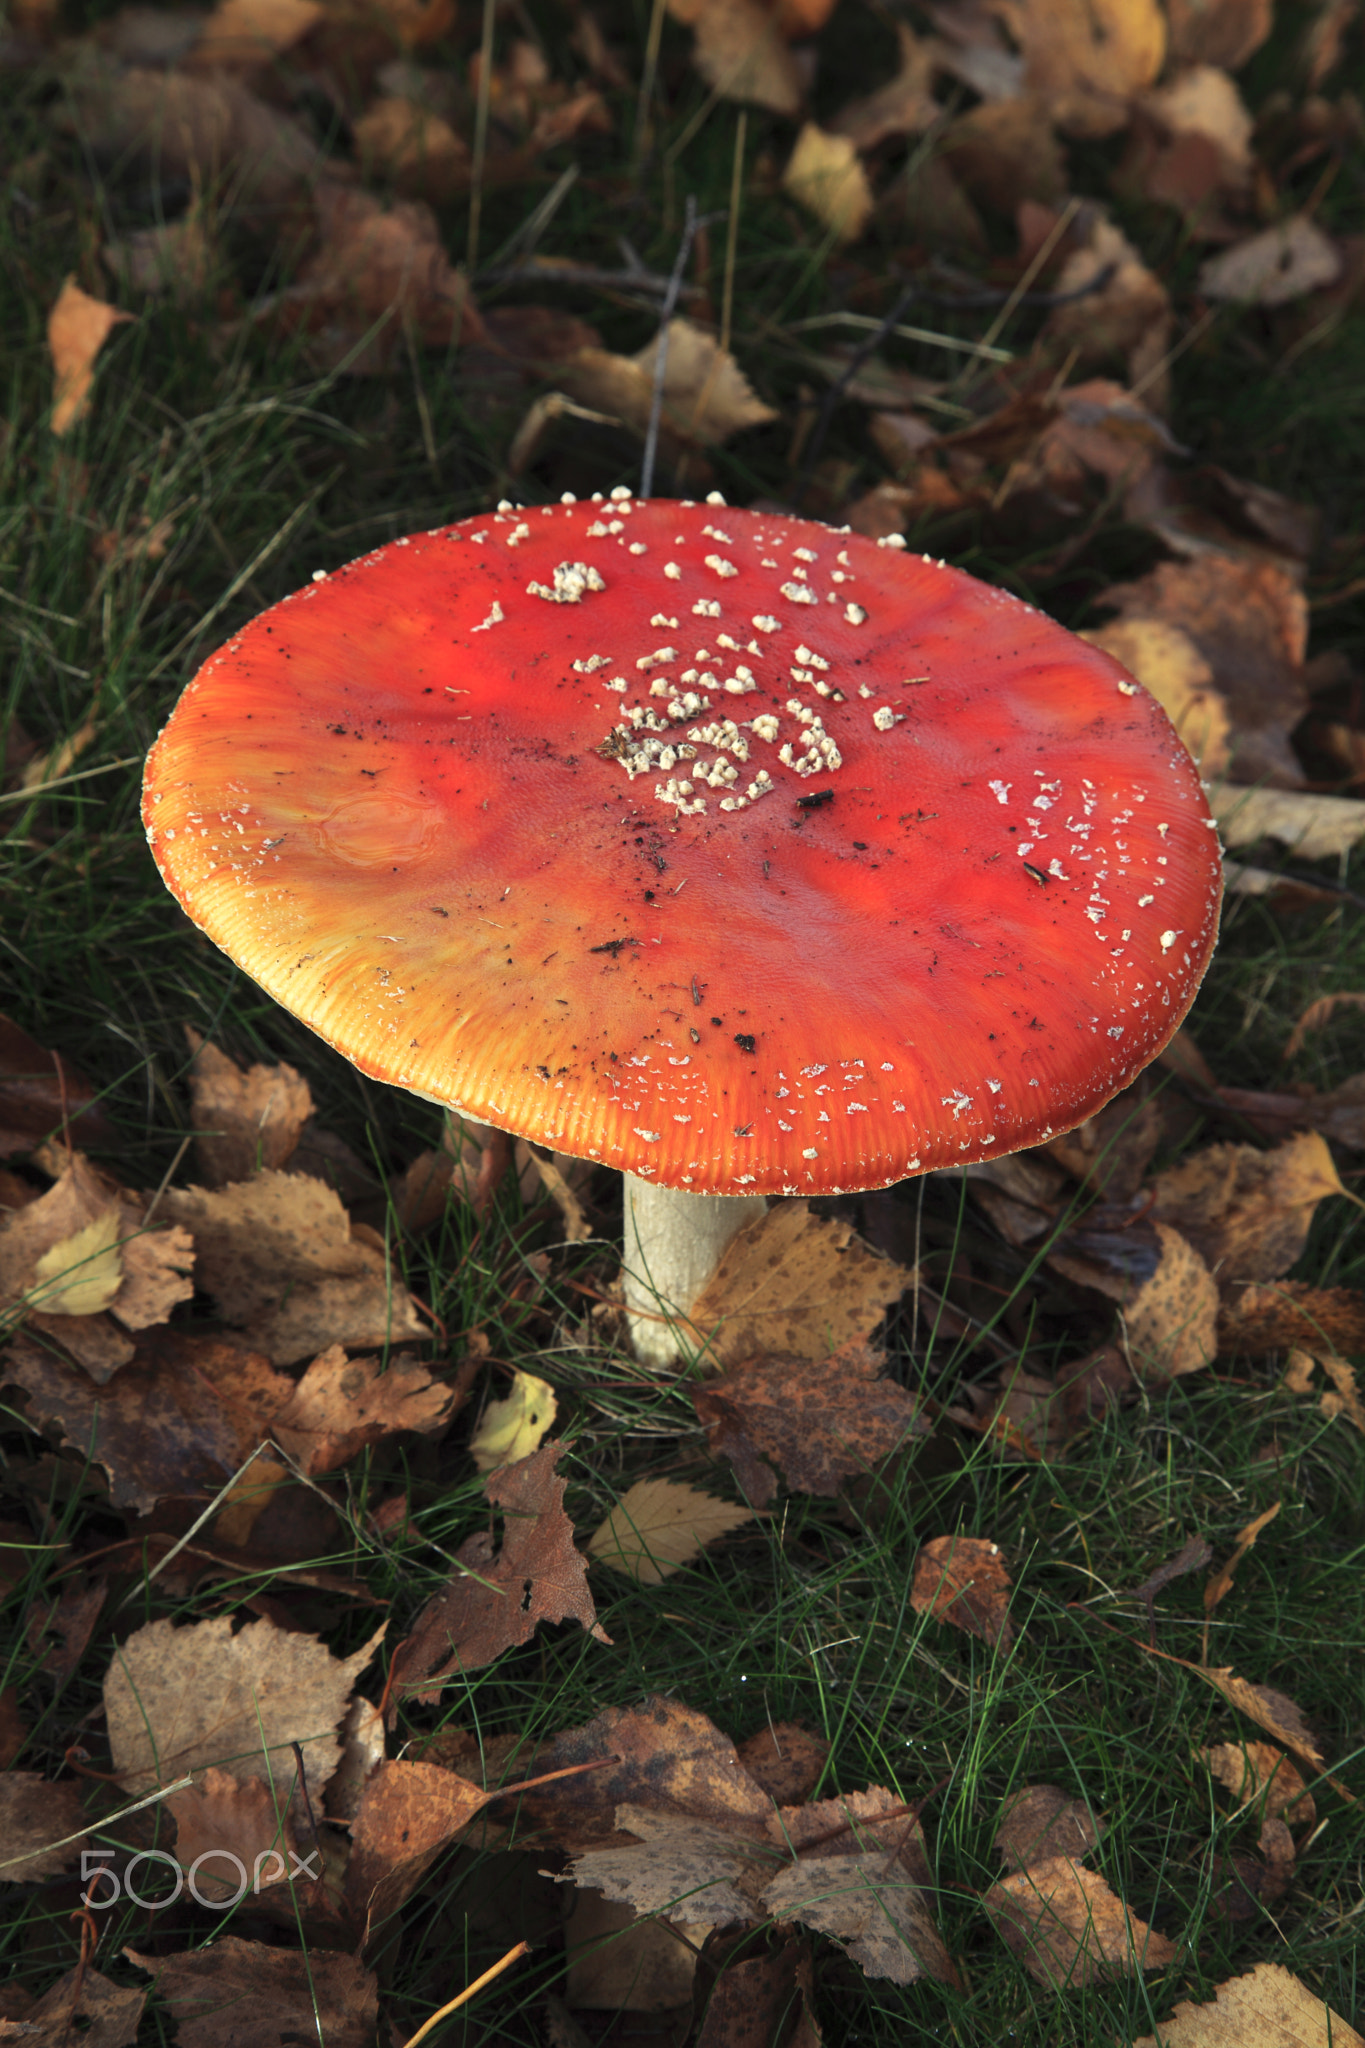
[[265, 473]]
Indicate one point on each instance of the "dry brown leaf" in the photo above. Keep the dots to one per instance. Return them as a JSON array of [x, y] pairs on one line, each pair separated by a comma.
[[1128, 317], [82, 1247], [1171, 1323], [1087, 61], [1249, 622], [680, 1861], [82, 2006], [1109, 1153], [819, 1422], [241, 35], [879, 1916], [272, 1995], [1069, 1928], [172, 258], [408, 1814], [659, 1525], [1029, 1415], [37, 1089], [243, 1121], [496, 1598], [1268, 2008], [207, 133], [740, 53], [962, 1580], [1224, 32], [343, 1404], [1319, 1013], [1273, 268], [1313, 827], [35, 1814], [1191, 147], [284, 1262], [707, 397], [511, 1429], [1167, 663], [1274, 1711], [1004, 151], [377, 277], [1291, 1314], [59, 1631], [1247, 1213], [1041, 1822], [1258, 1774], [77, 329], [792, 1282], [1220, 1584], [786, 1759], [903, 106], [620, 1963], [179, 1699], [222, 1817], [414, 146]]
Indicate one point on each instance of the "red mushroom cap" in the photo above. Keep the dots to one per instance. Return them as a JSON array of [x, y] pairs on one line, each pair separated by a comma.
[[740, 853]]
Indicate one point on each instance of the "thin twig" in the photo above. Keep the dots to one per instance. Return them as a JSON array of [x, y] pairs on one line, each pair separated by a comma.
[[727, 303], [522, 1948]]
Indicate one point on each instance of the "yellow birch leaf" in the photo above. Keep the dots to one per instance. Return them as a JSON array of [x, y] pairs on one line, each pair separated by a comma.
[[81, 1275], [660, 1525], [512, 1429]]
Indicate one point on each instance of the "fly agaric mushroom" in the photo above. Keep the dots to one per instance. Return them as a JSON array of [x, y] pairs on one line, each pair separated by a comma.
[[744, 855]]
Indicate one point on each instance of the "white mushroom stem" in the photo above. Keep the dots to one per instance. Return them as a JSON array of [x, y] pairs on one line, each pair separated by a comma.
[[673, 1244]]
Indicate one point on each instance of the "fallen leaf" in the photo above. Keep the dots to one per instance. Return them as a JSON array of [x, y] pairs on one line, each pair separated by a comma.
[[242, 35], [1171, 1322], [38, 1089], [1224, 32], [1109, 1153], [706, 397], [285, 1264], [496, 1598], [1041, 1822], [741, 55], [1191, 146], [409, 1812], [1220, 1584], [376, 276], [1169, 665], [1249, 622], [666, 1756], [81, 2006], [1004, 151], [1274, 1711], [962, 1580], [36, 1814], [1069, 1928], [1292, 1314], [793, 1283], [1273, 268], [415, 146], [77, 329], [622, 1963], [512, 1429], [1317, 1014], [1268, 2008], [659, 1525], [1247, 1213], [905, 105], [825, 175], [1087, 61], [271, 1994], [1258, 1774], [1033, 1415], [180, 1699], [243, 1122], [1313, 827], [221, 1818], [679, 1861], [786, 1759], [879, 1915], [1127, 316], [818, 1422], [59, 1631], [202, 133], [88, 1237]]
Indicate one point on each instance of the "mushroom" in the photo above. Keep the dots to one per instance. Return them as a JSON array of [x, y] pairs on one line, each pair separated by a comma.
[[750, 857]]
